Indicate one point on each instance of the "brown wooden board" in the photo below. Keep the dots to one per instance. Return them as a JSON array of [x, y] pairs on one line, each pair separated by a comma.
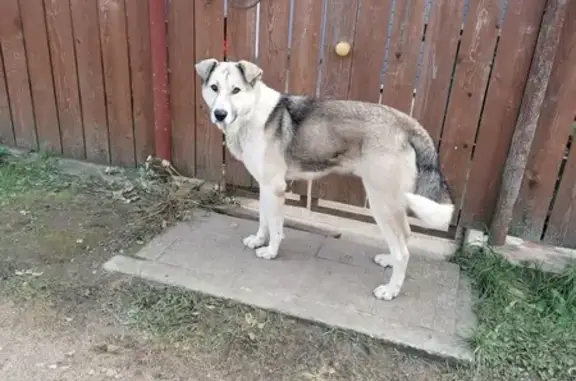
[[6, 131], [407, 30], [467, 95], [305, 57], [40, 69], [209, 42], [85, 22], [141, 74], [440, 46], [61, 41], [518, 38], [548, 149], [334, 84], [114, 42], [182, 78], [562, 222], [369, 50], [17, 80], [273, 42], [241, 43]]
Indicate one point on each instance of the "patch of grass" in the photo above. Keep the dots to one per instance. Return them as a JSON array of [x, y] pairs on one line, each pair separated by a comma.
[[527, 319], [24, 173]]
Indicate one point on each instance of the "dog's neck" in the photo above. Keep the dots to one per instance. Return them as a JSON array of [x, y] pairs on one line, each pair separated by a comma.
[[245, 127]]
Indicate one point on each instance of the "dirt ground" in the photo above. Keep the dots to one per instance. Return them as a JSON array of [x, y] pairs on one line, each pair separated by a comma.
[[63, 318]]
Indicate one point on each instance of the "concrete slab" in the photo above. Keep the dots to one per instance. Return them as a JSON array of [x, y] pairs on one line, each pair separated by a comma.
[[315, 277]]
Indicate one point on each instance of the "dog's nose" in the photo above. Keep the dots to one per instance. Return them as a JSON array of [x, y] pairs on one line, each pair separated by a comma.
[[220, 115]]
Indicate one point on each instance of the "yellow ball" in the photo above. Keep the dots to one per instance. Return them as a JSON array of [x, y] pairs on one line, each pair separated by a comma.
[[343, 49]]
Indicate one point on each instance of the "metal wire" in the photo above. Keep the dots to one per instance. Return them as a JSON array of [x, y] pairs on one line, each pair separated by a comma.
[[233, 4]]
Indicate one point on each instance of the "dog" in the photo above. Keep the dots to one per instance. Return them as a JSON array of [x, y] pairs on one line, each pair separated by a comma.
[[281, 137]]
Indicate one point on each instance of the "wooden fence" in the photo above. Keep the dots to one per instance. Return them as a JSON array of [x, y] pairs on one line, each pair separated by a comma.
[[77, 81]]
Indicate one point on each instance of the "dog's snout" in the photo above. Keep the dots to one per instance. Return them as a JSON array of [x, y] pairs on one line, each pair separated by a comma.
[[220, 114]]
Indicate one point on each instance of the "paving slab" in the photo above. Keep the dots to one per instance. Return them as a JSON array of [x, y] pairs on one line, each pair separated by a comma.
[[315, 277]]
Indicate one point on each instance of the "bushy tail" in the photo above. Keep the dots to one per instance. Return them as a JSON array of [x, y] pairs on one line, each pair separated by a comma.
[[433, 214], [431, 200]]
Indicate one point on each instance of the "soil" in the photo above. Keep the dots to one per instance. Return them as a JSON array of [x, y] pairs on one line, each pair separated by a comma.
[[63, 318]]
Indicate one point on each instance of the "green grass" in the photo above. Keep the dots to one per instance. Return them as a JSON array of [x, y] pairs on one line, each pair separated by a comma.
[[21, 174], [527, 319]]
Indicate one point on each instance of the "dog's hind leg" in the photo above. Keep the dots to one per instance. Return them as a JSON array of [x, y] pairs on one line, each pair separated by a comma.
[[390, 215]]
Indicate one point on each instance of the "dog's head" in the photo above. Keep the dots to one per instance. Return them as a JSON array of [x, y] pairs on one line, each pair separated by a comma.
[[228, 88]]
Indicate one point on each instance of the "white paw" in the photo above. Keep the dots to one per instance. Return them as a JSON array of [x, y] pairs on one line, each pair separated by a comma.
[[253, 241], [386, 292], [384, 260], [266, 252]]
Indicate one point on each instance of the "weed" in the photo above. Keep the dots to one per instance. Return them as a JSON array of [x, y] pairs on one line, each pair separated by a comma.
[[527, 318]]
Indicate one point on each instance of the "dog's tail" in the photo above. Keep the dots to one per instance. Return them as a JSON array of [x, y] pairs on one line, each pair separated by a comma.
[[431, 200]]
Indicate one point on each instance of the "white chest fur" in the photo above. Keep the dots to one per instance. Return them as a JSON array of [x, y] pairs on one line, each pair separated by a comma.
[[248, 146]]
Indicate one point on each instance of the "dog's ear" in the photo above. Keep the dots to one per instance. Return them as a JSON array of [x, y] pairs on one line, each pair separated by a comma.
[[205, 68], [251, 72]]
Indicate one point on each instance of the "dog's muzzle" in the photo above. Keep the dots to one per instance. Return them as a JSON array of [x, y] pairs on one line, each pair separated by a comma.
[[220, 115]]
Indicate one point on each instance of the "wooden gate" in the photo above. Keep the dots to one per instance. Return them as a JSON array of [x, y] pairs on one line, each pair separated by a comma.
[[454, 65]]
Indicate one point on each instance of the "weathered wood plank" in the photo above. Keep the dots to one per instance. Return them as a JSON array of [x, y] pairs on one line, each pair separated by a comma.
[[85, 22]]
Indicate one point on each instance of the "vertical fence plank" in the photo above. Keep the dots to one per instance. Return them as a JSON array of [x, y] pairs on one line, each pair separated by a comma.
[[369, 50], [209, 42], [470, 80], [61, 41], [440, 48], [548, 149], [40, 69], [510, 72], [141, 75], [117, 81], [305, 57], [91, 79], [17, 80], [273, 52], [182, 79], [240, 40], [407, 30], [334, 84], [6, 131], [560, 229]]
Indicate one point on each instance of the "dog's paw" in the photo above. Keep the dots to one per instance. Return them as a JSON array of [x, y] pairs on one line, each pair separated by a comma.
[[266, 252], [384, 260], [386, 292], [253, 241]]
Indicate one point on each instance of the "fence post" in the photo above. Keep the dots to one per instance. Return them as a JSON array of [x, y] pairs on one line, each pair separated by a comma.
[[534, 92], [158, 48]]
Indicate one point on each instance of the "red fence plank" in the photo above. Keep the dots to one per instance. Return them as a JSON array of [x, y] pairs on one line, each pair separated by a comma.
[[182, 77], [241, 41], [369, 50], [117, 81], [61, 43], [407, 29], [6, 131], [470, 79], [209, 42], [40, 69], [91, 79], [334, 84], [305, 57], [548, 148], [17, 80], [438, 58], [511, 66], [273, 49], [141, 75]]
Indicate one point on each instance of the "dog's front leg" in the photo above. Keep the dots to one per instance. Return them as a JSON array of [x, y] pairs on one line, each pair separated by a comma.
[[261, 237], [272, 209]]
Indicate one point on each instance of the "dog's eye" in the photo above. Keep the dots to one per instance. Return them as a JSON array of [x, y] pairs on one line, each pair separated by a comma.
[[214, 88], [235, 90]]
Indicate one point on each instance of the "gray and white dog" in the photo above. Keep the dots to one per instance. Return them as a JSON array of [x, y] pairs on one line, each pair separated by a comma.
[[281, 137]]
